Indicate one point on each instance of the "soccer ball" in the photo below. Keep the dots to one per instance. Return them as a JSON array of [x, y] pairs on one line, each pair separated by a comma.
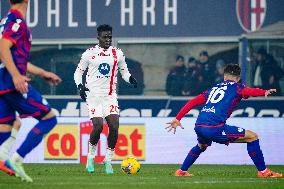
[[130, 166]]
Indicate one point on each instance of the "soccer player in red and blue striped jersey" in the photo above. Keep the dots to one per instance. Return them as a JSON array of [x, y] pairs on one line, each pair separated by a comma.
[[16, 95], [219, 102]]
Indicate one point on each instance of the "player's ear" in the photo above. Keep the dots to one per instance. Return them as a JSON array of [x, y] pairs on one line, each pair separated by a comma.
[[238, 79]]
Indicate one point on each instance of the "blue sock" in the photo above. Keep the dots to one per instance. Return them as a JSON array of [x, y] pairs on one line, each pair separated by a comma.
[[256, 155], [191, 157], [35, 136], [4, 136]]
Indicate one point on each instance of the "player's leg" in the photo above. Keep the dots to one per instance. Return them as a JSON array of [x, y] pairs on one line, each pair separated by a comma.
[[7, 118], [93, 141], [113, 124], [31, 105], [7, 143], [111, 113], [96, 115], [255, 153], [193, 154]]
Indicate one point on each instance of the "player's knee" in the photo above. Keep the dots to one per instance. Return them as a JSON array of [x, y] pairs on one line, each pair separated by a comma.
[[97, 125], [114, 126], [49, 115], [17, 124], [203, 147], [252, 136]]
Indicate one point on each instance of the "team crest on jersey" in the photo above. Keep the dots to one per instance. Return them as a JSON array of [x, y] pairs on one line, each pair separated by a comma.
[[104, 68], [251, 14]]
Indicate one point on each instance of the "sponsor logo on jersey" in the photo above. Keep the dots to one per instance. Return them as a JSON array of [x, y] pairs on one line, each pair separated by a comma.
[[104, 68], [251, 14], [205, 109]]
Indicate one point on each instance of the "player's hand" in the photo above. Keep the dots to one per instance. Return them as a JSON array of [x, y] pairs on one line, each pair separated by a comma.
[[133, 81], [82, 90], [173, 125], [51, 78], [21, 83], [269, 92]]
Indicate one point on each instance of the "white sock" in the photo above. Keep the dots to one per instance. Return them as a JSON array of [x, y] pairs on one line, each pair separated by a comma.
[[109, 155], [92, 150], [17, 158], [7, 145]]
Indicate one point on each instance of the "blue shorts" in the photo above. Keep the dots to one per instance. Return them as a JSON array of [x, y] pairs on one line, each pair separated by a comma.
[[27, 105], [221, 135]]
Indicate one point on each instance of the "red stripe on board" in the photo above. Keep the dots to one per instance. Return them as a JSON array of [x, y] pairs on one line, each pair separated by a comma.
[[112, 71]]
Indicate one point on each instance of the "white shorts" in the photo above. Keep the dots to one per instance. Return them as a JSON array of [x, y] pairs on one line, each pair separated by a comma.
[[99, 106]]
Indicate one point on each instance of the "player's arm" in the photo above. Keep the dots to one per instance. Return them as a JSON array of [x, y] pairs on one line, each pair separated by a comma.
[[50, 77], [254, 92], [82, 66], [200, 99], [19, 80], [125, 72]]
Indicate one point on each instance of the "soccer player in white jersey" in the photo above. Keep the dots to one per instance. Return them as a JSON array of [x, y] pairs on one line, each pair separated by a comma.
[[103, 62]]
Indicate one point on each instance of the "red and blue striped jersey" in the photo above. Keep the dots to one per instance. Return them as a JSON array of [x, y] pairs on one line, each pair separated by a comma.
[[219, 102], [14, 28]]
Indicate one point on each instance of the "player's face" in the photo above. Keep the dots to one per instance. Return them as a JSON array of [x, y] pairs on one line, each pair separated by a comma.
[[105, 39]]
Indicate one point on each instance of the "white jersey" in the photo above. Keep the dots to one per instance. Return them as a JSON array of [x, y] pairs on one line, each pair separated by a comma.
[[103, 66]]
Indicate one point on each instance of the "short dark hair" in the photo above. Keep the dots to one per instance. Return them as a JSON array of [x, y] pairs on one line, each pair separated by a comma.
[[179, 58], [233, 69], [261, 51], [104, 27], [203, 53], [16, 1]]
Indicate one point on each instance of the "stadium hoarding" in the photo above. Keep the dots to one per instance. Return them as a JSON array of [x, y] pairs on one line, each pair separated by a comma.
[[149, 18], [130, 142], [166, 107], [147, 139]]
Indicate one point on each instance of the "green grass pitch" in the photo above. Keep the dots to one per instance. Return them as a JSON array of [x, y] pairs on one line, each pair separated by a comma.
[[74, 176]]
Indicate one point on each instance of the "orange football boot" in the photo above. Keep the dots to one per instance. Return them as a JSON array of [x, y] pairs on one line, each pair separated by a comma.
[[268, 173], [180, 173], [6, 169]]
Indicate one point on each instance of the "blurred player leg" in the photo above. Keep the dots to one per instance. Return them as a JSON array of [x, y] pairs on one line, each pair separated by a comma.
[[33, 138], [94, 138], [7, 119], [8, 143], [5, 134], [113, 123], [256, 154]]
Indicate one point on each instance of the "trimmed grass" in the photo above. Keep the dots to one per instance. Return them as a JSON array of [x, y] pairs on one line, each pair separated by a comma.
[[74, 176]]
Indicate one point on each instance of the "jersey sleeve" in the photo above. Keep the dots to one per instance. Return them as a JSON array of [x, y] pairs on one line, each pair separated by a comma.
[[252, 92], [200, 99], [122, 66], [82, 66], [246, 92], [13, 31]]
